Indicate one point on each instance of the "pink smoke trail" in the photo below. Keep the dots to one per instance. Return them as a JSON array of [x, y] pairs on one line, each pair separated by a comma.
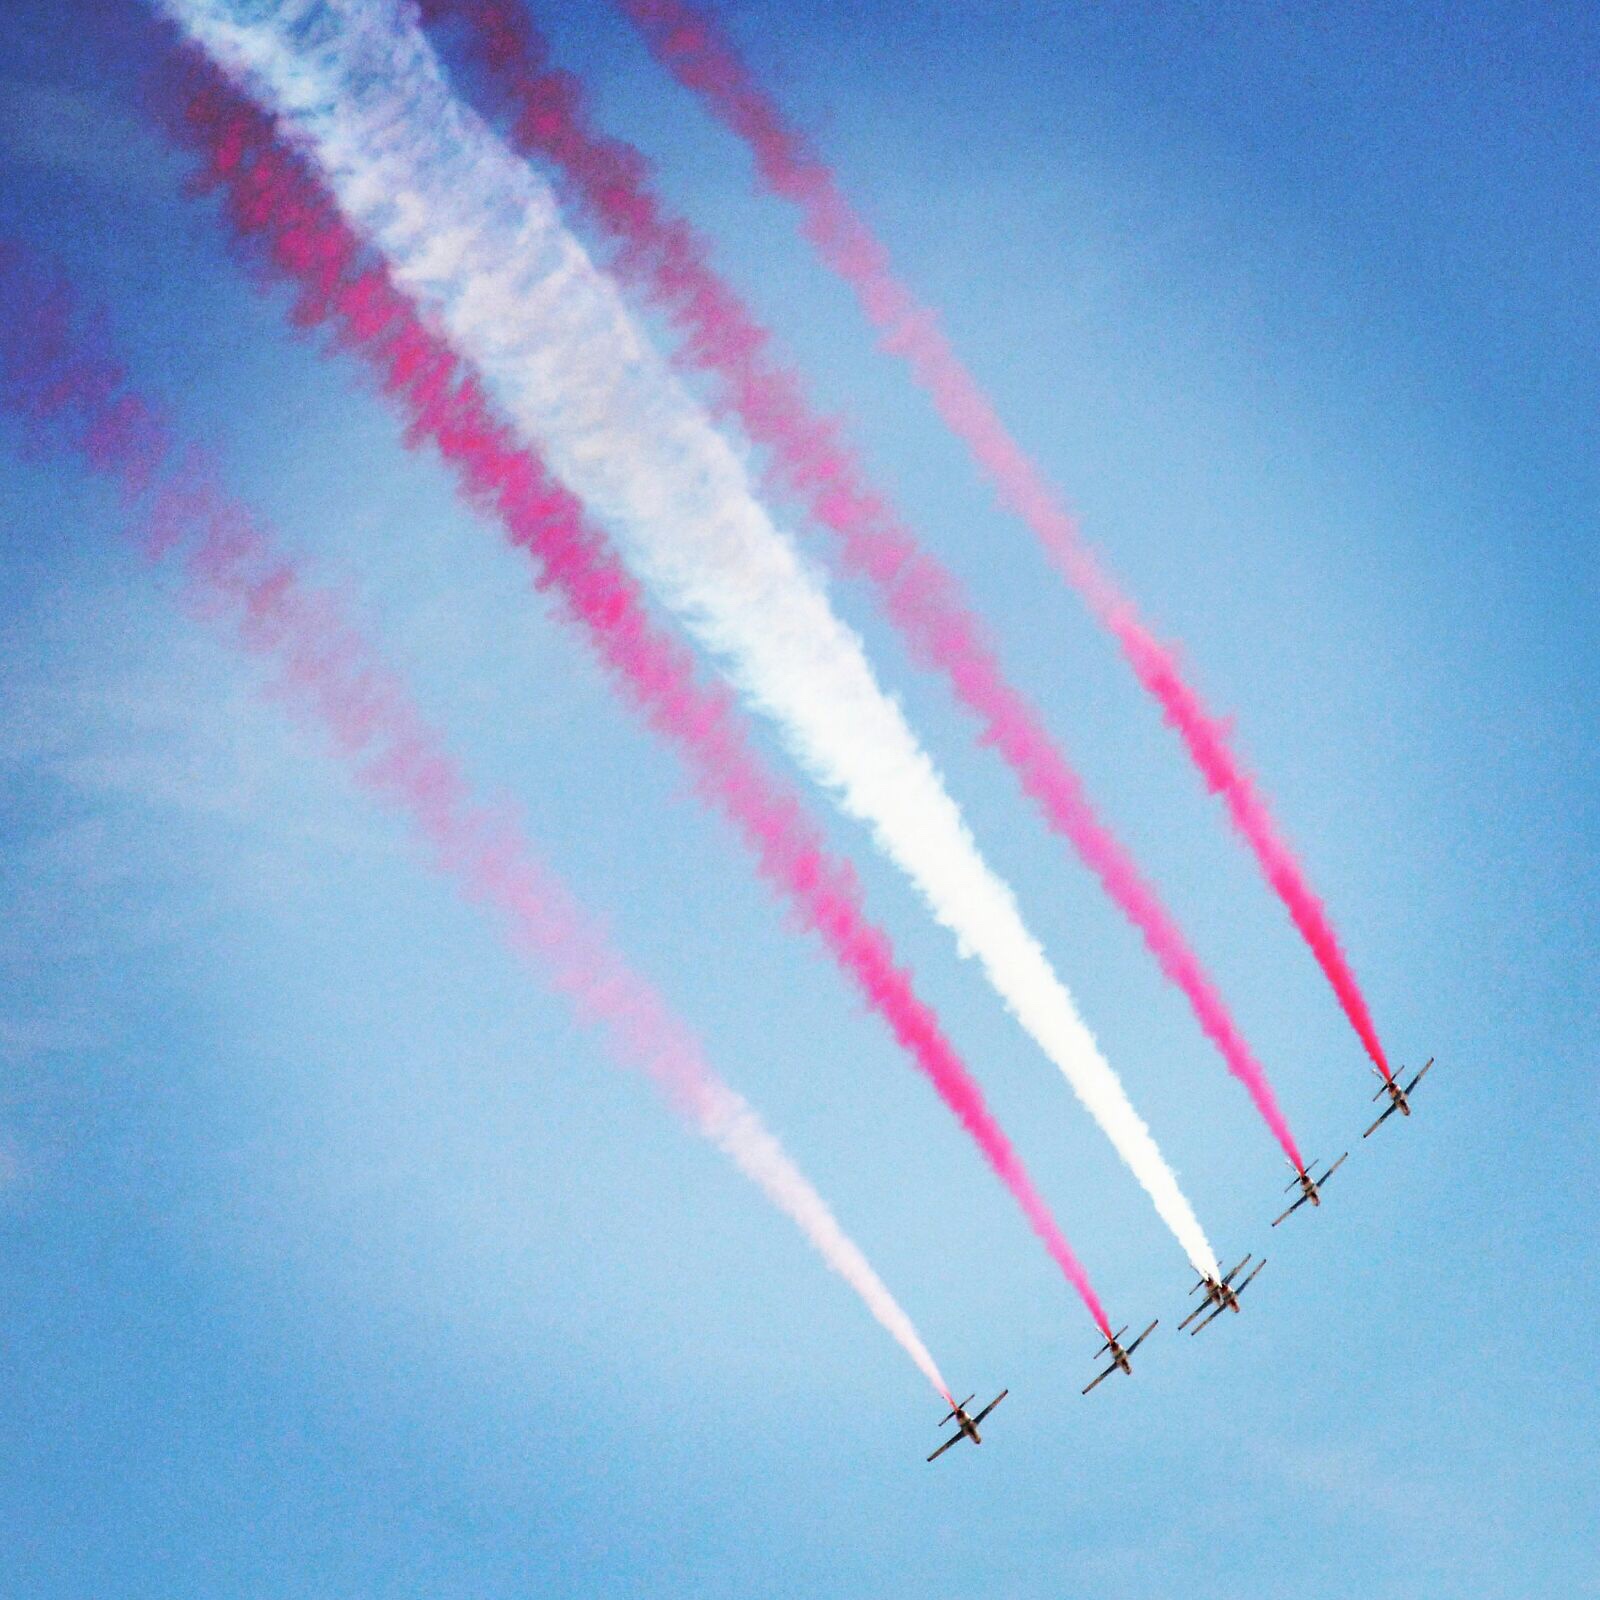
[[689, 45], [67, 386], [661, 255], [274, 202]]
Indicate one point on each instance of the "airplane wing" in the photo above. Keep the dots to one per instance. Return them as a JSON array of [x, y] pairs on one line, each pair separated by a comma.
[[1418, 1079], [1287, 1214], [1239, 1288], [990, 1407], [1236, 1271], [1381, 1120], [1333, 1169], [1143, 1336], [1101, 1378], [1209, 1320], [1193, 1314], [955, 1438]]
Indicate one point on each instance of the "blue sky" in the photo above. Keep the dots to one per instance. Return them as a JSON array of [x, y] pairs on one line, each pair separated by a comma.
[[339, 1262]]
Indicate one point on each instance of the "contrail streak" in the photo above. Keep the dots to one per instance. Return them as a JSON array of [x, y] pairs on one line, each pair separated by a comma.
[[272, 201], [476, 235], [689, 45], [74, 391], [661, 256]]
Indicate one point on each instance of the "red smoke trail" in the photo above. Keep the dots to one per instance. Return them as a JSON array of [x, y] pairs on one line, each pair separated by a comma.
[[76, 396], [68, 389], [663, 257], [273, 201], [687, 44]]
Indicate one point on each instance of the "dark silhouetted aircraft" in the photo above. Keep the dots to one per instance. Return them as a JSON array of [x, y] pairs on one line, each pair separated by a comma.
[[1310, 1188], [1399, 1099], [967, 1427], [1119, 1354], [1222, 1294]]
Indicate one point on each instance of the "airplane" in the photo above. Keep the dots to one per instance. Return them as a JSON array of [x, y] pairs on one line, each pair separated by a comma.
[[967, 1427], [1310, 1188], [1399, 1099], [1120, 1353], [1222, 1293]]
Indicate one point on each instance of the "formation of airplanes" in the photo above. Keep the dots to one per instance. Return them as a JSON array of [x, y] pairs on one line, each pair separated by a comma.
[[1221, 1293]]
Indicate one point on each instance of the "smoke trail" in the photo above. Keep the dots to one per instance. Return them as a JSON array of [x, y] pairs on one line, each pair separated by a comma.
[[475, 234], [686, 42], [333, 678], [273, 201], [660, 254]]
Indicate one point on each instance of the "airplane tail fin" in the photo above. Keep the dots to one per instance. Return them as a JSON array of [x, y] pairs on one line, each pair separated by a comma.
[[955, 1410]]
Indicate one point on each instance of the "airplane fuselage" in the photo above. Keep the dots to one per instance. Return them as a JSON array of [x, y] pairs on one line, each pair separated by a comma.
[[1221, 1294], [1311, 1188], [1398, 1096], [1119, 1358], [967, 1424], [1121, 1355]]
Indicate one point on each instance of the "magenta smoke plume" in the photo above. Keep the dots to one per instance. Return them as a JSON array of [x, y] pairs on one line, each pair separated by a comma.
[[689, 45], [272, 201], [70, 389], [661, 255]]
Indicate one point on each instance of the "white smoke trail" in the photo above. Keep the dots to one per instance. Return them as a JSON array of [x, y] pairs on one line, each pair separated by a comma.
[[643, 1033], [67, 382], [735, 1129], [475, 236], [640, 1029]]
